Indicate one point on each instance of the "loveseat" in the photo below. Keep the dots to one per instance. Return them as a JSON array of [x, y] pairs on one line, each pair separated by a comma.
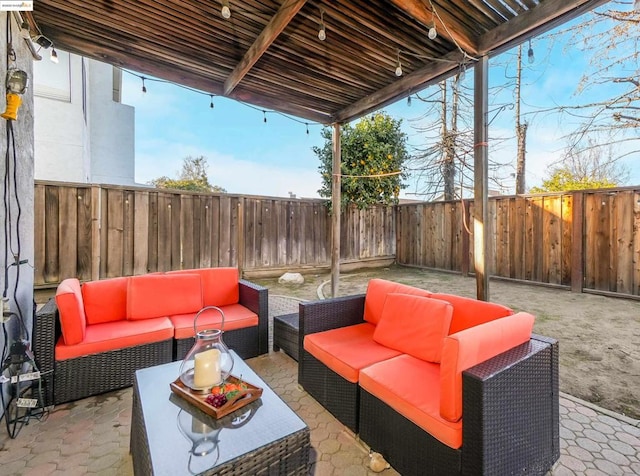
[[439, 384], [92, 337]]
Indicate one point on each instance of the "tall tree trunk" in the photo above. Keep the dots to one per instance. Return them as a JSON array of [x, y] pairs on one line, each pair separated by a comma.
[[448, 168], [521, 132]]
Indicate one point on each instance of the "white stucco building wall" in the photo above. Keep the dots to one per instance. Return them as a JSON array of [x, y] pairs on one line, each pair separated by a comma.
[[82, 131]]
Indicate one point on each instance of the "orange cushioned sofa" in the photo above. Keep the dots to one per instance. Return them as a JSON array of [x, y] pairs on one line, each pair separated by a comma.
[[437, 383], [92, 337]]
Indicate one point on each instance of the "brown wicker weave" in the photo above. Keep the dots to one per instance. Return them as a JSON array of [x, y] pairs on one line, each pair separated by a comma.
[[285, 334], [510, 420], [81, 377], [333, 392]]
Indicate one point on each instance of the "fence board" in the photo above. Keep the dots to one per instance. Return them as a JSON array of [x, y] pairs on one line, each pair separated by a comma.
[[154, 232], [68, 240], [141, 236], [84, 235], [636, 243], [52, 223], [164, 231], [128, 233], [566, 247], [39, 244], [115, 233], [623, 246], [187, 231]]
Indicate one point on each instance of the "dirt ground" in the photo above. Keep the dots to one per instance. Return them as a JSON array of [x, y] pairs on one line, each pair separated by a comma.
[[599, 336]]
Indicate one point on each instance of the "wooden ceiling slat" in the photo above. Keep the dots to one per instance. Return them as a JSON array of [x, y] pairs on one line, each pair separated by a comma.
[[536, 21], [418, 10], [280, 20], [344, 77]]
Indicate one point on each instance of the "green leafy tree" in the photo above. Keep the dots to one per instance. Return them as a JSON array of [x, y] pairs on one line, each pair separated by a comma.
[[373, 156], [193, 177], [590, 168]]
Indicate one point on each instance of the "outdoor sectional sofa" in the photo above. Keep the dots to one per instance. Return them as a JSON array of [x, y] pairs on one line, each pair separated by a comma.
[[92, 337], [438, 384]]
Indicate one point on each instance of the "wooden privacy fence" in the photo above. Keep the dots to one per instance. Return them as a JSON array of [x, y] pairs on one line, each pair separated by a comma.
[[587, 240], [97, 231]]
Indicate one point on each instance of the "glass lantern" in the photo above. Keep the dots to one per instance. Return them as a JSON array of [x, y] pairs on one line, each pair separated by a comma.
[[209, 362]]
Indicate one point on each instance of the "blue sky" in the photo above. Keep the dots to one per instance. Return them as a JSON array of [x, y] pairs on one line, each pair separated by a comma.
[[248, 156]]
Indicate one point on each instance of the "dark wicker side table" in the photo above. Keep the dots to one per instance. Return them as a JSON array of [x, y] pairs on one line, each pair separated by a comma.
[[285, 334]]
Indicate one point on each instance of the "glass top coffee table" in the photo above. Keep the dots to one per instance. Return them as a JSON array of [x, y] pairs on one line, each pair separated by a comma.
[[169, 436]]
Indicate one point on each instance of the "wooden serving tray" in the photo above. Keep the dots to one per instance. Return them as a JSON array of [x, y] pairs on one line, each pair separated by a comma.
[[251, 394]]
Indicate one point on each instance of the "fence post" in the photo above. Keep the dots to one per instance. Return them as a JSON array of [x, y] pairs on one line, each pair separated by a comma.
[[241, 232], [577, 242], [96, 216]]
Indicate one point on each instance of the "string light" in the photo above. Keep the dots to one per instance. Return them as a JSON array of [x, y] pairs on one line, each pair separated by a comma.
[[322, 33], [409, 101], [399, 68], [530, 56], [54, 55], [264, 113], [433, 33], [144, 88], [307, 126], [211, 103], [226, 11]]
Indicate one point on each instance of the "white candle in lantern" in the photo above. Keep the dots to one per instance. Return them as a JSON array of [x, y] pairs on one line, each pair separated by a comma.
[[206, 368]]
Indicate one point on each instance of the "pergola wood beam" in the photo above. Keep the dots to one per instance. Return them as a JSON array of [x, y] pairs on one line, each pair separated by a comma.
[[419, 12], [403, 87], [546, 16], [288, 10]]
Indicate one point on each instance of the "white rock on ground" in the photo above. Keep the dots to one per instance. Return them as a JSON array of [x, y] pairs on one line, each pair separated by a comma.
[[291, 278]]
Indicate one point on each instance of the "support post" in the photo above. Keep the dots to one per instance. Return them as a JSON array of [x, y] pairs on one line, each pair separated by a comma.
[[481, 178], [336, 209]]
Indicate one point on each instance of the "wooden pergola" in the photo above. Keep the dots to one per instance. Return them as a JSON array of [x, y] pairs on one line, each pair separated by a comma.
[[268, 53]]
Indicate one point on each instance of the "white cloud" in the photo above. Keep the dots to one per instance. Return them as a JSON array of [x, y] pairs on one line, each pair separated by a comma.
[[238, 176]]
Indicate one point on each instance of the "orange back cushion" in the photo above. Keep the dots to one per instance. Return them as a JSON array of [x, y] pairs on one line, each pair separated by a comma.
[[163, 295], [473, 346], [219, 285], [376, 296], [105, 300], [72, 318], [414, 325], [468, 312]]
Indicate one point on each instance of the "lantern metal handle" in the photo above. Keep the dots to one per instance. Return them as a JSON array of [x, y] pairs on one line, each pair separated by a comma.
[[206, 308]]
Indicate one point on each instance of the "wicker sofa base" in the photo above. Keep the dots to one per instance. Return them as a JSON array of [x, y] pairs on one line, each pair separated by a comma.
[[339, 396], [79, 378], [510, 415]]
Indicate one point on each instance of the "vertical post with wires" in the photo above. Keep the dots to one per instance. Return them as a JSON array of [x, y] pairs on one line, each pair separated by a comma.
[[335, 209], [481, 178]]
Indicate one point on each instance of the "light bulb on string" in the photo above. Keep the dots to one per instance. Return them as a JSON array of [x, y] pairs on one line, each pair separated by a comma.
[[225, 11], [144, 88], [264, 113], [211, 103], [307, 125], [322, 32], [399, 68], [433, 33], [530, 57], [409, 101], [54, 56]]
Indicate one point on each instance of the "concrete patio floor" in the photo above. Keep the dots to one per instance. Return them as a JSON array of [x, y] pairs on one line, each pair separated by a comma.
[[91, 436]]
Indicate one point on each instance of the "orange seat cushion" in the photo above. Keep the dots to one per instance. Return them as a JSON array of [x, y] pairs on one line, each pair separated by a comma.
[[219, 285], [164, 295], [347, 350], [73, 321], [236, 316], [469, 312], [105, 300], [116, 335], [473, 346], [377, 291], [411, 387], [414, 325]]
